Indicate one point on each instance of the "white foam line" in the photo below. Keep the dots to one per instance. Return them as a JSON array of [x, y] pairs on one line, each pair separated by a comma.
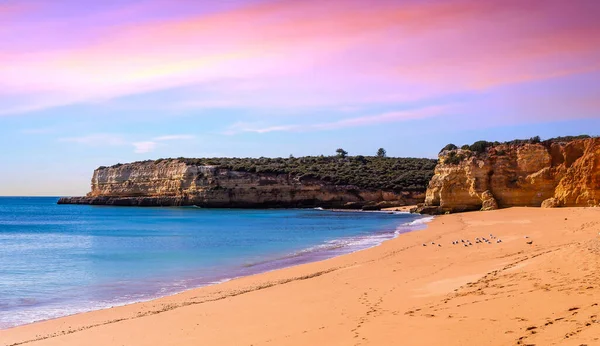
[[421, 221]]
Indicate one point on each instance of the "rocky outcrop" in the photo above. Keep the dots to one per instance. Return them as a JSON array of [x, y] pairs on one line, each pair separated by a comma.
[[551, 174], [178, 183], [488, 202], [580, 185], [551, 203]]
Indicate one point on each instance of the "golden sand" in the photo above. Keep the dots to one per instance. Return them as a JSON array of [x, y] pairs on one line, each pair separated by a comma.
[[399, 293]]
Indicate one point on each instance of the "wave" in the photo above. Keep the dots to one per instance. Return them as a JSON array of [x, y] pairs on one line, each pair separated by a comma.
[[345, 245], [421, 221]]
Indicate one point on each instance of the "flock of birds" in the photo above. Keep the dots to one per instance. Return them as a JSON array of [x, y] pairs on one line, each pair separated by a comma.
[[467, 242]]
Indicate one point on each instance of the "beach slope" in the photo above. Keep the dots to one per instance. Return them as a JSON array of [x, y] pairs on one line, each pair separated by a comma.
[[539, 286]]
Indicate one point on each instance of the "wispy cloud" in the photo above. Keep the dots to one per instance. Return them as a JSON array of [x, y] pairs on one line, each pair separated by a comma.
[[144, 147], [98, 139], [172, 138], [149, 146], [388, 117], [140, 147]]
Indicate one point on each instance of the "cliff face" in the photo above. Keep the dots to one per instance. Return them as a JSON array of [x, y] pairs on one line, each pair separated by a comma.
[[175, 182], [546, 174]]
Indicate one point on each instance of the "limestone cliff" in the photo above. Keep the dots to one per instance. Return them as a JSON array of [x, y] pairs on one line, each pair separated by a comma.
[[177, 182], [549, 174]]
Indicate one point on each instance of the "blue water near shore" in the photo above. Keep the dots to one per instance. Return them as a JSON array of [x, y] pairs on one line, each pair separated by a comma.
[[57, 260]]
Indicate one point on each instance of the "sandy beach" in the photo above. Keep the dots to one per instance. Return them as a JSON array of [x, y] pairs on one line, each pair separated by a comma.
[[399, 293]]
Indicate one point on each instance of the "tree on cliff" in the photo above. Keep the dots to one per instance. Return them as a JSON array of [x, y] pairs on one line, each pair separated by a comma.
[[341, 153], [381, 152], [535, 140]]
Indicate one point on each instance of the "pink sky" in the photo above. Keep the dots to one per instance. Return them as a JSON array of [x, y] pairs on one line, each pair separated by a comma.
[[305, 53]]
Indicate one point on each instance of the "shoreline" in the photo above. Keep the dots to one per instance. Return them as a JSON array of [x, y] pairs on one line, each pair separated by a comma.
[[314, 253], [399, 290]]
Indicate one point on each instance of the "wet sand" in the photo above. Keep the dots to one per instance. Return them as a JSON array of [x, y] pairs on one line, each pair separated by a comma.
[[399, 293]]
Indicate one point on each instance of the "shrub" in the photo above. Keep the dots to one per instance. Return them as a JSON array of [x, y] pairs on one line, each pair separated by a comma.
[[480, 146], [454, 159], [449, 147], [567, 138]]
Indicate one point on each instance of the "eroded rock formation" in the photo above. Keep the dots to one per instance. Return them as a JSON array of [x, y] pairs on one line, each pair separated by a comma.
[[175, 183], [548, 174]]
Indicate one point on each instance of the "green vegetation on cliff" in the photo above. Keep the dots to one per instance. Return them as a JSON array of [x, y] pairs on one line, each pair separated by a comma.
[[454, 157], [363, 172], [482, 146]]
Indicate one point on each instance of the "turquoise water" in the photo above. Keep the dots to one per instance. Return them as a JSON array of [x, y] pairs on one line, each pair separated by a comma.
[[57, 260]]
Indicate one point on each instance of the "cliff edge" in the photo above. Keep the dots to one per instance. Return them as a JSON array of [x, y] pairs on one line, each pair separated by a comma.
[[553, 173], [355, 182]]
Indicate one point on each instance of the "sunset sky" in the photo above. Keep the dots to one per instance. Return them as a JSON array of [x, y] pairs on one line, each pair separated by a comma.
[[85, 84]]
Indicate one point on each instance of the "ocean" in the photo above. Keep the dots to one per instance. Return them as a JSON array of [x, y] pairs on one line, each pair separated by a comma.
[[57, 260]]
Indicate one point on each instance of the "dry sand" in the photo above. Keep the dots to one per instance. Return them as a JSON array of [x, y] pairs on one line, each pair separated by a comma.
[[399, 293]]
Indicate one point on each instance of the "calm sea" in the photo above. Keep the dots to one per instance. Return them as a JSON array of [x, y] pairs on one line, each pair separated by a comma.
[[57, 260]]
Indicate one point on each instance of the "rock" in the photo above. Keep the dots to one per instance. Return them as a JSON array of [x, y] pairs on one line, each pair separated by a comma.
[[371, 207], [581, 183], [454, 187], [549, 174], [178, 183], [429, 210], [488, 201], [352, 205], [551, 203], [390, 204]]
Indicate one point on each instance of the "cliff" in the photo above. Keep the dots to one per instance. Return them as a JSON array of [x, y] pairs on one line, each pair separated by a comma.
[[549, 174], [260, 184]]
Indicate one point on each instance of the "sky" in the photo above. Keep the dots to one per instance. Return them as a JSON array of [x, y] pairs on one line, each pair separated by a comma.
[[85, 84]]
